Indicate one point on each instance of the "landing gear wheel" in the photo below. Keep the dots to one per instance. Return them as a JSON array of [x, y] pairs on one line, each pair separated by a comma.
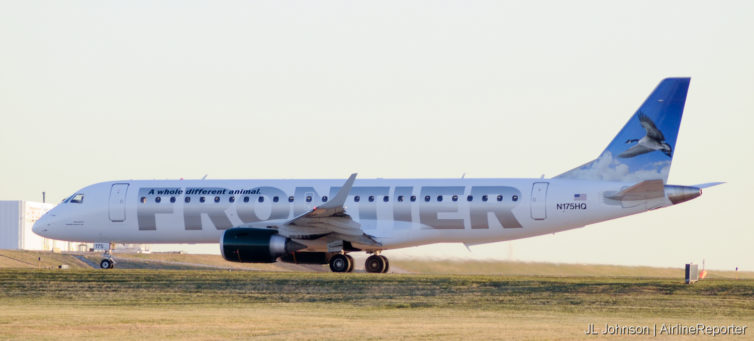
[[375, 264], [106, 264], [350, 263], [340, 263], [387, 264]]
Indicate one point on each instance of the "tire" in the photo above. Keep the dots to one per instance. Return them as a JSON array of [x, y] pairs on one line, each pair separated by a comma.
[[106, 264], [387, 264], [351, 263], [374, 264], [339, 263]]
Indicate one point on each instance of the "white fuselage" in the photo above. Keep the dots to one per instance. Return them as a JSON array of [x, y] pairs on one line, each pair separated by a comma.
[[396, 212]]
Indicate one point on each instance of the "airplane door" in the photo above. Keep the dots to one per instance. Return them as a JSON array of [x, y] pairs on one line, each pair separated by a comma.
[[539, 200], [118, 202]]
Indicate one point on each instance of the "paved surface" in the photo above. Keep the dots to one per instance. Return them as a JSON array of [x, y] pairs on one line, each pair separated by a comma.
[[358, 259], [88, 262]]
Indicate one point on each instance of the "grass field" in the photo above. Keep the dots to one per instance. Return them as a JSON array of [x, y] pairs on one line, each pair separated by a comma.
[[221, 304]]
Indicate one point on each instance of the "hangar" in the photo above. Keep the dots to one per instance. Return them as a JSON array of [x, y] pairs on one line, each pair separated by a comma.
[[16, 219]]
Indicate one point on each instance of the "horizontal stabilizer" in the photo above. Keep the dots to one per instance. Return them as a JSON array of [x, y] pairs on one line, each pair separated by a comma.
[[709, 184], [649, 189]]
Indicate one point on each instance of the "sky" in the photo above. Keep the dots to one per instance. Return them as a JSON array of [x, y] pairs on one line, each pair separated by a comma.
[[94, 91]]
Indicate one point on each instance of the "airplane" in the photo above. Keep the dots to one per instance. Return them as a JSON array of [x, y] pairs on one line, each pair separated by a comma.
[[323, 221]]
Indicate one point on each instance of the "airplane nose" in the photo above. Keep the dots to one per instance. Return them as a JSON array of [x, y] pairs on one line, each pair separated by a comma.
[[41, 226]]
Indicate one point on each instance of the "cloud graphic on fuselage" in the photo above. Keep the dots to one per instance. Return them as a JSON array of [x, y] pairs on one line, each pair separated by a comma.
[[608, 168]]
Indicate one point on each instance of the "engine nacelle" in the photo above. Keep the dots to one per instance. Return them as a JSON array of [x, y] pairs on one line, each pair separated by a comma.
[[250, 245]]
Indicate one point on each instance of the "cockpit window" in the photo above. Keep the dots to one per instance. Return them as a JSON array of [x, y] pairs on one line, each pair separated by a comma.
[[76, 198]]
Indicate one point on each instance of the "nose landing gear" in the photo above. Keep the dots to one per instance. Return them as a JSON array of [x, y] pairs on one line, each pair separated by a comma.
[[107, 261], [106, 264]]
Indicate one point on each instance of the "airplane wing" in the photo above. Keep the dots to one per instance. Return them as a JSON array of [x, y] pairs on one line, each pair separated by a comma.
[[329, 221]]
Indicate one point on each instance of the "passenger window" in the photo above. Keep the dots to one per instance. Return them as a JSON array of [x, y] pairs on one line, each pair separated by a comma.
[[187, 199], [470, 198], [515, 198], [385, 198], [143, 200], [439, 198], [426, 198], [275, 199], [232, 199], [261, 199], [371, 198], [217, 199], [308, 198], [484, 197], [455, 198], [172, 199], [413, 198], [290, 198], [324, 198], [499, 198], [245, 199], [201, 199], [356, 198], [400, 198], [157, 200]]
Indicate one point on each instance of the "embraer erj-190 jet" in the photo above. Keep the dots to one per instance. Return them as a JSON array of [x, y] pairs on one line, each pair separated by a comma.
[[322, 221]]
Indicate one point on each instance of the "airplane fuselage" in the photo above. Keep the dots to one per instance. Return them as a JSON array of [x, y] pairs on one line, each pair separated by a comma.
[[396, 212]]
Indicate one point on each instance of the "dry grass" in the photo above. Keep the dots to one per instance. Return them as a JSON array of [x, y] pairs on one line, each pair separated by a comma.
[[149, 304], [292, 321], [38, 259], [551, 269]]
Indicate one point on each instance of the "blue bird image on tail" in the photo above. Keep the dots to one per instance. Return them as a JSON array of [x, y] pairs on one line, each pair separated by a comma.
[[653, 140], [643, 149]]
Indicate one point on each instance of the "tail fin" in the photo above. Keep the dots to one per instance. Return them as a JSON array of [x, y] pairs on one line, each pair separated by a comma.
[[643, 149]]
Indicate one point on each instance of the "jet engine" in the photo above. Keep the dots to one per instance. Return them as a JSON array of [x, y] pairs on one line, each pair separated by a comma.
[[252, 245]]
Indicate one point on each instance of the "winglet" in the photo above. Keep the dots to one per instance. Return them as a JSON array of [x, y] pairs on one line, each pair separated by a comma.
[[340, 199]]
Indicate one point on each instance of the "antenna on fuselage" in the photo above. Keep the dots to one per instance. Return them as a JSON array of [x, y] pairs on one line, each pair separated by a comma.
[[463, 175], [204, 177]]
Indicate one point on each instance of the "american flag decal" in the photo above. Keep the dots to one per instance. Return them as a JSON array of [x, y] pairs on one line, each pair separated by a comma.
[[579, 197]]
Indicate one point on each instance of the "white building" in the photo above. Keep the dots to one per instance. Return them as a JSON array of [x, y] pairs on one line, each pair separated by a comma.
[[16, 220]]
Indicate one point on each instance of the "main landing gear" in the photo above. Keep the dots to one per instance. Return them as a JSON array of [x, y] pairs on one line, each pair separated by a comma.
[[344, 263], [341, 263], [377, 264]]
